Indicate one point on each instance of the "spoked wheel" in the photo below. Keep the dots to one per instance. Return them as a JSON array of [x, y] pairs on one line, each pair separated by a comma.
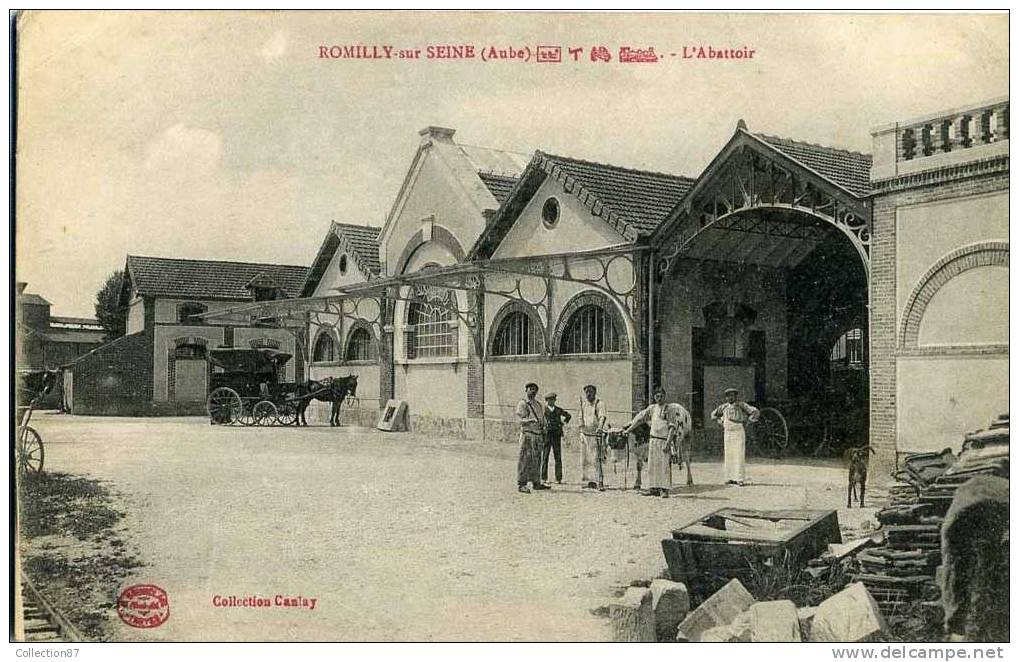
[[287, 413], [246, 415], [771, 433], [224, 406], [30, 451], [264, 413]]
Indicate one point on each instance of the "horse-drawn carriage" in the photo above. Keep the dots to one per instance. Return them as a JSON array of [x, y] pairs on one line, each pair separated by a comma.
[[246, 389]]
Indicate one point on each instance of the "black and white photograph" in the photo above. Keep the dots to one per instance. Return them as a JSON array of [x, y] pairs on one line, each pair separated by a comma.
[[490, 326]]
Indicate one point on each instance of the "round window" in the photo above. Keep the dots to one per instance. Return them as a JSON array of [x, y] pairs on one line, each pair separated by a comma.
[[550, 212], [343, 264]]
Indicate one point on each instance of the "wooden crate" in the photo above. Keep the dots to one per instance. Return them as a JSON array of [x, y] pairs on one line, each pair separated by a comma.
[[738, 543]]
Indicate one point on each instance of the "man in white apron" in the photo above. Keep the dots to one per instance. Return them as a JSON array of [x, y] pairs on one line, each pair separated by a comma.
[[733, 415], [665, 421], [592, 423]]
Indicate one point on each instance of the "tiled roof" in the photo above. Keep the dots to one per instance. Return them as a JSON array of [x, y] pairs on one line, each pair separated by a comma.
[[364, 243], [76, 335], [361, 243], [641, 198], [207, 279], [33, 299], [495, 161], [75, 321], [634, 202], [850, 170], [498, 185]]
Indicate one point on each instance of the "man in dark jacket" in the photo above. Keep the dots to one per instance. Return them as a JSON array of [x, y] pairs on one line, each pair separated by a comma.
[[555, 419]]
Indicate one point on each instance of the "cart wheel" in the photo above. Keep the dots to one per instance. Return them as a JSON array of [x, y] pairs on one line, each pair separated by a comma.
[[287, 413], [771, 434], [264, 413], [246, 415], [224, 406], [30, 451]]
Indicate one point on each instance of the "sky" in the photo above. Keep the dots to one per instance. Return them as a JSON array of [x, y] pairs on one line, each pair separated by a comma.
[[225, 135]]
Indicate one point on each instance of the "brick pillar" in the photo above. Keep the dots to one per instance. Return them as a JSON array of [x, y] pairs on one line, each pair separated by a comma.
[[639, 361], [476, 369], [883, 331], [387, 368]]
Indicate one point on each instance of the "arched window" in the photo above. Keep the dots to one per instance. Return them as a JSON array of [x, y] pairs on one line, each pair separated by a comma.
[[186, 313], [360, 346], [325, 348], [590, 330], [432, 327], [847, 353], [516, 335]]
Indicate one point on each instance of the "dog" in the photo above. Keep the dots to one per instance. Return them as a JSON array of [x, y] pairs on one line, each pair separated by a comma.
[[858, 458]]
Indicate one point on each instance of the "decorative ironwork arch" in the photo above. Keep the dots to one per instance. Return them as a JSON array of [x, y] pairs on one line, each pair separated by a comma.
[[359, 325], [508, 309], [746, 184], [587, 298], [959, 261]]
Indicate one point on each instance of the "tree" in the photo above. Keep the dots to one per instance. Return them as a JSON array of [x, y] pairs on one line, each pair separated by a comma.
[[108, 309]]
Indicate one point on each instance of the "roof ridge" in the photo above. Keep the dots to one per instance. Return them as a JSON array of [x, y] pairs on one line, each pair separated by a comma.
[[195, 259], [494, 149], [492, 173], [810, 144], [616, 167], [355, 225]]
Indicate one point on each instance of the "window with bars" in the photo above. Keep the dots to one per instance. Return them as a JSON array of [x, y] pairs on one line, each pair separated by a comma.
[[360, 346], [848, 350], [590, 330], [517, 335], [431, 329], [325, 349]]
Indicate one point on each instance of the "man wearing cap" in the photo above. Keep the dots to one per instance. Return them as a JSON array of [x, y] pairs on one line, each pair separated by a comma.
[[670, 424], [592, 422], [555, 419], [532, 429], [733, 415]]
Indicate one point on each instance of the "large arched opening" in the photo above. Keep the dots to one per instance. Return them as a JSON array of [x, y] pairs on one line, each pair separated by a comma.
[[762, 285]]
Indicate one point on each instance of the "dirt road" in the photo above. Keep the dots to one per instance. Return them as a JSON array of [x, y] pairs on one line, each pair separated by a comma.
[[395, 537]]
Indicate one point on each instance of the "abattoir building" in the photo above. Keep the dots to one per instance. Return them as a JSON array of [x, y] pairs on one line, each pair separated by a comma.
[[865, 296]]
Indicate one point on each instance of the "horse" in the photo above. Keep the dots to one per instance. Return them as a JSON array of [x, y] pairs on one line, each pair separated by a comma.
[[331, 389], [36, 385]]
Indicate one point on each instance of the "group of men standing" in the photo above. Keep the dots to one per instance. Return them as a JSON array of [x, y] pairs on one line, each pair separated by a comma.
[[541, 434]]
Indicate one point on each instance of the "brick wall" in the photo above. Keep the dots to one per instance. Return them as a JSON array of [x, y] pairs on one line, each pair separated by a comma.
[[116, 379], [883, 323]]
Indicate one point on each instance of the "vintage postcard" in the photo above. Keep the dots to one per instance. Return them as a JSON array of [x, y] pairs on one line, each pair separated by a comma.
[[486, 326]]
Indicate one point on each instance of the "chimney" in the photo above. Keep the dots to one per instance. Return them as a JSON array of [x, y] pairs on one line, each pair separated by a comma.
[[437, 133], [21, 288]]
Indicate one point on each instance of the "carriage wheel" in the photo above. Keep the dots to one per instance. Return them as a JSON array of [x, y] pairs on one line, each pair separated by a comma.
[[771, 434], [264, 413], [30, 451], [287, 413], [246, 415], [224, 406]]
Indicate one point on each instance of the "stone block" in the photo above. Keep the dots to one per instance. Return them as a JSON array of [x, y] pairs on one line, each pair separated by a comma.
[[849, 616], [774, 621], [806, 617], [632, 616], [721, 608], [736, 632], [671, 602]]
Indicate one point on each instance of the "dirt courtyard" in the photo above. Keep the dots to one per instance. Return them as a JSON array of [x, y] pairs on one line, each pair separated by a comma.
[[394, 536]]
